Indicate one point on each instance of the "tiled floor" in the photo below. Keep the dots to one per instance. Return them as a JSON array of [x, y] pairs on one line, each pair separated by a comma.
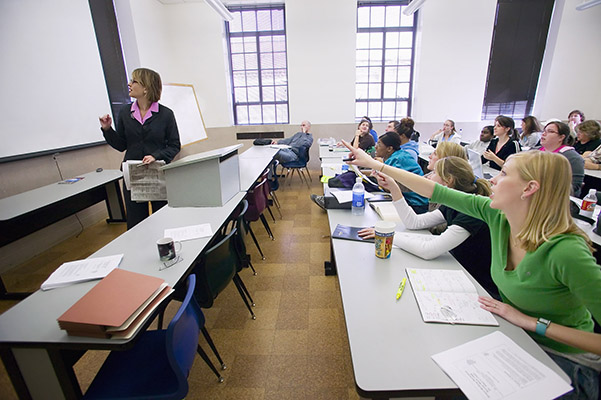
[[297, 348]]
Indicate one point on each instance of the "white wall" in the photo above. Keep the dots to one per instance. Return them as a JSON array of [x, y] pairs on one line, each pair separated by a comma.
[[570, 77]]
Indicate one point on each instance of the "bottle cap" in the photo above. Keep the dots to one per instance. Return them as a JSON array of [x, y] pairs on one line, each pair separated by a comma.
[[358, 179]]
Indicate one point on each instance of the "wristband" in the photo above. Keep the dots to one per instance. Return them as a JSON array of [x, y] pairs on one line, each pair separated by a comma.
[[382, 169], [541, 326]]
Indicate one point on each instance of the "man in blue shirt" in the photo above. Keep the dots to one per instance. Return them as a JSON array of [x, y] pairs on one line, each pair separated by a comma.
[[302, 138]]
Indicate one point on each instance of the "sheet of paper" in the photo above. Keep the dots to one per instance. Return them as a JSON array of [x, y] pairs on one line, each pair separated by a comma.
[[82, 271], [147, 182], [189, 232], [346, 196], [280, 146], [493, 367]]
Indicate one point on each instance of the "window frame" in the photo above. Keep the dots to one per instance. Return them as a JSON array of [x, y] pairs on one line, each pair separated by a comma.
[[257, 35], [384, 30]]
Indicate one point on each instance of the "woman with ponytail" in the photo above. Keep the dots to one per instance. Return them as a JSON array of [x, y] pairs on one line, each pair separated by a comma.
[[466, 238], [504, 144]]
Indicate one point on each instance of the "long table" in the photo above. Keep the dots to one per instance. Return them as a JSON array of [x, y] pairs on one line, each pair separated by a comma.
[[390, 345], [39, 356]]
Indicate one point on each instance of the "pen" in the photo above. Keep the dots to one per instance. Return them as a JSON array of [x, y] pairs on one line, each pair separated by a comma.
[[399, 292]]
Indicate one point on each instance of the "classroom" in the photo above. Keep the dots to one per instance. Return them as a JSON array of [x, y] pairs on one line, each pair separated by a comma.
[[56, 90]]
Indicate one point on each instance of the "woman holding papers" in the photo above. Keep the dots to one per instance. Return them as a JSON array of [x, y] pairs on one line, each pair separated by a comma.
[[145, 130], [541, 261], [388, 149], [466, 238]]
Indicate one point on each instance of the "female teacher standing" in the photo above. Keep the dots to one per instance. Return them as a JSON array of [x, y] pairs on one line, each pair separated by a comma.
[[146, 130]]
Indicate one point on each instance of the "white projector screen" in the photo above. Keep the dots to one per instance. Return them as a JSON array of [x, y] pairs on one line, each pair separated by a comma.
[[53, 87]]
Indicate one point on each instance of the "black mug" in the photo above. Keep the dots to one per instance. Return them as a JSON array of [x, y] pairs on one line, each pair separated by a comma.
[[167, 249]]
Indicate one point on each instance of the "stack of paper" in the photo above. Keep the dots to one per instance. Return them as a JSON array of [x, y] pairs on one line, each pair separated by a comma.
[[116, 306], [82, 271], [386, 211]]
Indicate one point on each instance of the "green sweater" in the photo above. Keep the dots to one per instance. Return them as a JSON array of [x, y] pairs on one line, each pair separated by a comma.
[[559, 281]]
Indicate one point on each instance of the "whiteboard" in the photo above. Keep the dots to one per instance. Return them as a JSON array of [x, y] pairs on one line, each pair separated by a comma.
[[181, 99]]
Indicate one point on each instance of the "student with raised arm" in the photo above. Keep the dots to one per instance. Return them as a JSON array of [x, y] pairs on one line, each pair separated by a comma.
[[541, 261], [466, 238]]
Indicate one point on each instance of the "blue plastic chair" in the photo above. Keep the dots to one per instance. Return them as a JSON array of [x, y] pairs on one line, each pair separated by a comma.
[[300, 166], [157, 367]]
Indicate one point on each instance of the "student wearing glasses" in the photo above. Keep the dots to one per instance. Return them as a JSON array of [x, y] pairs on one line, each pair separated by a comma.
[[146, 131]]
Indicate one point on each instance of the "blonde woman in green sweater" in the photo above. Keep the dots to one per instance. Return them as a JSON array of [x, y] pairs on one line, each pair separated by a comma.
[[541, 261]]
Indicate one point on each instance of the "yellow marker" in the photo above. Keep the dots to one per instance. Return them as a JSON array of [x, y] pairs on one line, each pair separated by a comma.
[[399, 292]]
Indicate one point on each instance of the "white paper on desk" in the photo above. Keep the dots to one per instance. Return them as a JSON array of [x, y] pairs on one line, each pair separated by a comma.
[[189, 232], [82, 271], [494, 367], [346, 196], [280, 146]]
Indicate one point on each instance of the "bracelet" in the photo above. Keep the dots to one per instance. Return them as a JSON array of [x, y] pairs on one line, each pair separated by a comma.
[[541, 326], [382, 169]]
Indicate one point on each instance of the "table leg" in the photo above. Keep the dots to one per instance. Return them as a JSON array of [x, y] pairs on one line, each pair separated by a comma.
[[114, 202], [41, 374], [5, 295], [330, 266]]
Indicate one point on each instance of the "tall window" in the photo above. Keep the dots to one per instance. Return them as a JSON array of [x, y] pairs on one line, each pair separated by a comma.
[[516, 56], [385, 41], [257, 54]]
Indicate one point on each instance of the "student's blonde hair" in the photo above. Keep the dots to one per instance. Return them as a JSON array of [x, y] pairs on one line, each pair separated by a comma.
[[448, 149], [458, 174], [549, 213], [151, 81]]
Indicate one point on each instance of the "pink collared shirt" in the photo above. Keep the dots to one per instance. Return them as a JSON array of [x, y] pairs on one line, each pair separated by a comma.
[[560, 149], [135, 111]]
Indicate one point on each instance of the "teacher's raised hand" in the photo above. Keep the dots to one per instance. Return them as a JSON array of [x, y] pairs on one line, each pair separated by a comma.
[[105, 122]]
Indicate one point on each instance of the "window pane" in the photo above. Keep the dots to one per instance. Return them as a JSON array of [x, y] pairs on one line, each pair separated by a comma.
[[250, 45], [375, 109], [237, 62], [242, 114], [264, 20], [236, 24], [375, 57], [391, 57], [252, 78], [402, 90], [362, 57], [361, 91], [404, 57], [254, 115], [374, 91], [240, 95], [279, 60], [280, 77], [236, 45], [390, 90], [267, 77], [376, 40], [406, 39], [249, 21], [279, 43], [390, 74], [375, 74], [281, 113], [404, 74], [239, 79], [269, 114], [281, 93], [251, 61], [363, 17], [392, 40], [393, 15], [265, 44], [407, 20], [268, 93], [361, 108], [267, 60], [253, 94], [277, 19], [377, 16], [401, 108], [362, 75], [388, 110], [362, 40]]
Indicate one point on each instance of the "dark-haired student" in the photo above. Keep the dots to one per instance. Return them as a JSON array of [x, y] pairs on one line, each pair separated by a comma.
[[503, 145], [556, 138], [388, 149], [406, 131], [588, 135]]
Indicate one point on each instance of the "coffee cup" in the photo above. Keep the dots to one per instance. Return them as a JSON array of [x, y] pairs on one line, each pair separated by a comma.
[[167, 248], [384, 235]]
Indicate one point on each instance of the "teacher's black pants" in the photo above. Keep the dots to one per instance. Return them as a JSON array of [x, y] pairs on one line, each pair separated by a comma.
[[137, 212]]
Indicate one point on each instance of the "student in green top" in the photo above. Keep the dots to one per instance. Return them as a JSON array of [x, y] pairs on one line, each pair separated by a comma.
[[541, 261]]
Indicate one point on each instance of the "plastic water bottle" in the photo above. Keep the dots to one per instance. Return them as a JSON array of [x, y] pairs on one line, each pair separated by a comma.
[[586, 209], [358, 206]]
